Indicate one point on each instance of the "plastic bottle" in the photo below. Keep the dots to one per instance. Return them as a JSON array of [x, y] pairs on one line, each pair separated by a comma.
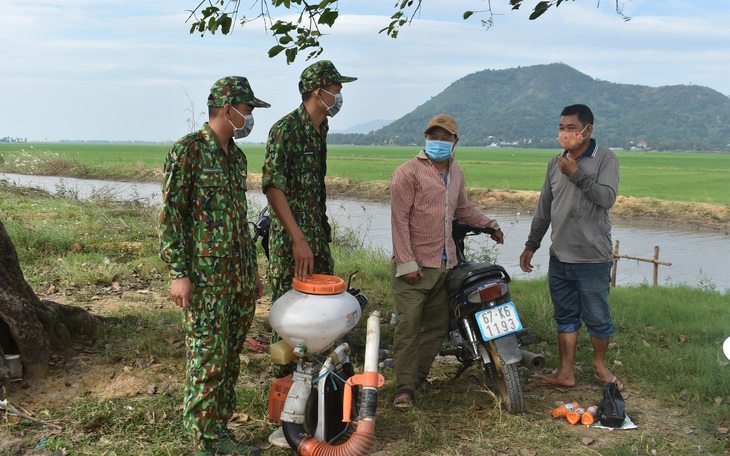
[[388, 362], [562, 411], [575, 415], [281, 353], [589, 416]]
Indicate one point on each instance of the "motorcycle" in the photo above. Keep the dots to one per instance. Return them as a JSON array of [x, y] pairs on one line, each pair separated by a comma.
[[317, 403], [484, 326]]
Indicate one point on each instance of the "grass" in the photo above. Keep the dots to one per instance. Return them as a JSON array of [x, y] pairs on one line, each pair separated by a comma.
[[121, 394], [683, 177]]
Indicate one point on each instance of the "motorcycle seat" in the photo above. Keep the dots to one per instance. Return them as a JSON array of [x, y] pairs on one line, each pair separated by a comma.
[[465, 274]]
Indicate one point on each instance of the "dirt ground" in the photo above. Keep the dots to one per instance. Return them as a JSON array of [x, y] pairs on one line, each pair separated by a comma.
[[83, 371]]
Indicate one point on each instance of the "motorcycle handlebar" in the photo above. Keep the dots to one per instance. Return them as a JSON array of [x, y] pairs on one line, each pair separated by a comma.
[[262, 224], [463, 229]]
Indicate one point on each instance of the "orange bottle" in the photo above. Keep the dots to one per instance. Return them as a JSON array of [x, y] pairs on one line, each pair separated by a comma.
[[589, 416], [563, 410], [575, 415]]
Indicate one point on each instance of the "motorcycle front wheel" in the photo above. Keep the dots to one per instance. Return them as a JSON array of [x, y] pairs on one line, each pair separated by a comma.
[[507, 379]]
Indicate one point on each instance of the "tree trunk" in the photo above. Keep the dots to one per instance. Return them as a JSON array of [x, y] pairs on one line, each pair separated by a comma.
[[29, 326]]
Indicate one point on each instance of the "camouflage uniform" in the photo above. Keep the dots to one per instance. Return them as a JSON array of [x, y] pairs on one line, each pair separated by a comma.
[[204, 236], [296, 164]]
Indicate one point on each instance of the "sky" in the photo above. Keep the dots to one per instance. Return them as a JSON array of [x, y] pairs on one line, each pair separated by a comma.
[[124, 70]]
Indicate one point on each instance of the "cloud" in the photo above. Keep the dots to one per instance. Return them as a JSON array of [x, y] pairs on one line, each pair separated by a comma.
[[120, 71]]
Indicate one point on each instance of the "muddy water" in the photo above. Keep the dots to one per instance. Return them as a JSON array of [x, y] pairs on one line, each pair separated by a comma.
[[698, 258]]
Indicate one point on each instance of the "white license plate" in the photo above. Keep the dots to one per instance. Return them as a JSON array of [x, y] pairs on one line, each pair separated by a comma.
[[498, 321]]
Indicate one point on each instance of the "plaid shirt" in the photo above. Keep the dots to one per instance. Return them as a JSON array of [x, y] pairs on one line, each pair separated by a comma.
[[423, 206]]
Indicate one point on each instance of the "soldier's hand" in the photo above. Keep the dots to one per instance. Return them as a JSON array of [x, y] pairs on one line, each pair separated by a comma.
[[182, 292], [303, 260], [525, 260]]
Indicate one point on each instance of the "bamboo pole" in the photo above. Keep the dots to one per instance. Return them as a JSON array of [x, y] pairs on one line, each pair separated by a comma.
[[615, 264], [648, 260], [656, 261]]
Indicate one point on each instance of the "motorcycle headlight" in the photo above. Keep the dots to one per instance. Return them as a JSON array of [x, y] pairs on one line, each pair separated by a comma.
[[488, 293]]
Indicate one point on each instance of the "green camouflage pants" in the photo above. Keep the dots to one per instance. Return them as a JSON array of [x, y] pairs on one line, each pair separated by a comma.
[[215, 329]]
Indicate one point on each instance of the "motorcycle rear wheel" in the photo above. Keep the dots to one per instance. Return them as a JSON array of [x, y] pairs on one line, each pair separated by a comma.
[[509, 386]]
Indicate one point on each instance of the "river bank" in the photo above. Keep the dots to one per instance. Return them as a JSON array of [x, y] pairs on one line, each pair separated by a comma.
[[646, 211], [363, 217]]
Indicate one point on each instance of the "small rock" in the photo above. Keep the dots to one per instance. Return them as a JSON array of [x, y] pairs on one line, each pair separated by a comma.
[[587, 441]]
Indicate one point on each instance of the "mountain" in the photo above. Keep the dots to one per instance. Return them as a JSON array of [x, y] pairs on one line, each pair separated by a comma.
[[521, 106], [366, 127]]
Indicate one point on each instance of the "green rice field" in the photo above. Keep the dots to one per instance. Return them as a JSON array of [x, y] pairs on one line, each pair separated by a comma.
[[675, 176]]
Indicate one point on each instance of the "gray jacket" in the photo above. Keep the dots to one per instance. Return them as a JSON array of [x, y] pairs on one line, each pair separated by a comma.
[[578, 208]]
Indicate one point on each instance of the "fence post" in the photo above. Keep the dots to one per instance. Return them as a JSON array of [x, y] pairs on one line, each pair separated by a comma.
[[615, 264], [655, 260]]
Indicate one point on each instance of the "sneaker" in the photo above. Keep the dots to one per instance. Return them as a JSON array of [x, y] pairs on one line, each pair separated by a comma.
[[277, 438]]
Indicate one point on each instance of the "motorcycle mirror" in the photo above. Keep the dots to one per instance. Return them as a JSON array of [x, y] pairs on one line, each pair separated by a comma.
[[726, 348]]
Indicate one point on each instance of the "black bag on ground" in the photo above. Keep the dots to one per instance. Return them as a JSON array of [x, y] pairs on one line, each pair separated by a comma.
[[611, 411]]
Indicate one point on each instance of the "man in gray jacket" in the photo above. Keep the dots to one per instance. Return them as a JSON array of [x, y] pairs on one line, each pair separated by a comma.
[[580, 187]]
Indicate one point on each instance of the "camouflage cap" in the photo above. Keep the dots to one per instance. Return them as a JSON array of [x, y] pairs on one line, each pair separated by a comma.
[[444, 121], [321, 74], [234, 90]]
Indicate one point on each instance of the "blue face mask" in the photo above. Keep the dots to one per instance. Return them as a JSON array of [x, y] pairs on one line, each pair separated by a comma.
[[438, 151]]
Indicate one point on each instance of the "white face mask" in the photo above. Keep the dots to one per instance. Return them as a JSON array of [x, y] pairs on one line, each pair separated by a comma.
[[335, 108], [244, 131]]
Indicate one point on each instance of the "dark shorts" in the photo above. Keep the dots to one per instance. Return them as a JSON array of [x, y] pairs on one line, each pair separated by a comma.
[[579, 292]]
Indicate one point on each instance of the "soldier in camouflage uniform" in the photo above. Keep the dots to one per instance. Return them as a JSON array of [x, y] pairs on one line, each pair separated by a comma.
[[293, 180], [205, 240]]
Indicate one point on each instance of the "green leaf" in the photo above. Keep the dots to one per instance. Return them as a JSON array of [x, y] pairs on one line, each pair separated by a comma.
[[286, 39], [209, 11], [328, 17], [467, 14], [291, 54], [226, 23], [274, 51], [282, 28], [539, 10], [212, 25]]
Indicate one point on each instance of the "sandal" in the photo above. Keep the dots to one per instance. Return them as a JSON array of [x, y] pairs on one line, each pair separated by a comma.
[[403, 401]]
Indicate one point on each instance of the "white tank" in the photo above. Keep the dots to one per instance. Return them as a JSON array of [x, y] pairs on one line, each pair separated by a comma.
[[315, 312]]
